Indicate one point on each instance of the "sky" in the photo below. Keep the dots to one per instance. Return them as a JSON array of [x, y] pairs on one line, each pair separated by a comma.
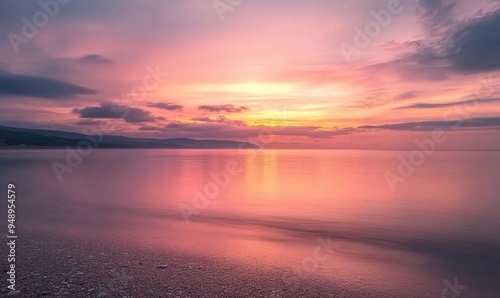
[[379, 74]]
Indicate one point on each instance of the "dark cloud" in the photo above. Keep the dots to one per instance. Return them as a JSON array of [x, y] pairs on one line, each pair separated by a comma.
[[94, 59], [165, 106], [109, 110], [431, 125], [448, 104], [475, 46], [466, 46], [222, 108], [453, 44], [39, 87], [11, 12]]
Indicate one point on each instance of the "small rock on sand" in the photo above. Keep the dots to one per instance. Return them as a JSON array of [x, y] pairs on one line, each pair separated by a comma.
[[161, 266], [102, 295], [13, 293]]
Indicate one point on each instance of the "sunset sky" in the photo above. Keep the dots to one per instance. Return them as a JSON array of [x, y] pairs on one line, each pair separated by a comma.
[[317, 73]]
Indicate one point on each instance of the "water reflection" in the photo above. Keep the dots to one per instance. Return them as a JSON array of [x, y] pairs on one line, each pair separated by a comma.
[[445, 215]]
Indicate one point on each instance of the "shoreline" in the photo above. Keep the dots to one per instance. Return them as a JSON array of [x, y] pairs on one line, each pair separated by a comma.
[[54, 264]]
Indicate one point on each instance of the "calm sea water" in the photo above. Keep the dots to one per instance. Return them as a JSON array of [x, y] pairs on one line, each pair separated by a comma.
[[269, 208]]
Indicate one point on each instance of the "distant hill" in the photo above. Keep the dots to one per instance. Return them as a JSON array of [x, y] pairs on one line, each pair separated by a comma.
[[22, 137]]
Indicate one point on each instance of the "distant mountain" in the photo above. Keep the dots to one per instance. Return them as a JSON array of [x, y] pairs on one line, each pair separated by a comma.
[[22, 137]]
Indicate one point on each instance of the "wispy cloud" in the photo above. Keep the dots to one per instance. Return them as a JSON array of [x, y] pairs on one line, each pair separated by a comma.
[[431, 125], [94, 59], [436, 14], [230, 83], [165, 106], [448, 104], [223, 108], [220, 119], [406, 95]]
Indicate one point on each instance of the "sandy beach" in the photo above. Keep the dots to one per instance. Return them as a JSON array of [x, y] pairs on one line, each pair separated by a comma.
[[59, 264], [53, 264]]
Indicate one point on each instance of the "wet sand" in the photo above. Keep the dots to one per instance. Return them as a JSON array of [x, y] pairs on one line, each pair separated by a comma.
[[54, 264]]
